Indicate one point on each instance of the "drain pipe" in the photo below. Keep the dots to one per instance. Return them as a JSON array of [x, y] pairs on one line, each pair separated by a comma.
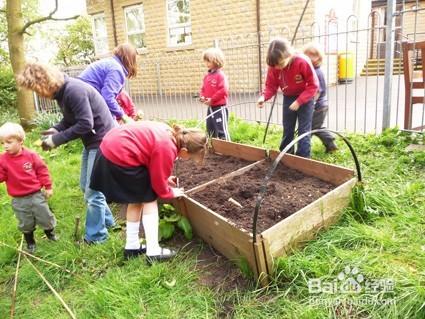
[[114, 29], [260, 72]]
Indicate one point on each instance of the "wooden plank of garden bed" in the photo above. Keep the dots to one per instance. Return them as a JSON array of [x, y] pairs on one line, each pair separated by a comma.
[[304, 224], [333, 174], [219, 232], [220, 179], [243, 151]]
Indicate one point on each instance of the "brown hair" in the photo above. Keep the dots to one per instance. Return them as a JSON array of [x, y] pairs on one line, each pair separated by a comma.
[[215, 56], [12, 130], [193, 139], [127, 54], [43, 79], [279, 49], [313, 50]]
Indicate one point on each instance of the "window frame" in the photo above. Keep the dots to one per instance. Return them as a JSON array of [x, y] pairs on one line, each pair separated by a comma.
[[143, 25], [95, 37], [175, 26]]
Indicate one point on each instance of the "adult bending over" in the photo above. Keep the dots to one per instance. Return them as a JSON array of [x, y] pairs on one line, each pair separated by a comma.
[[85, 116], [108, 76]]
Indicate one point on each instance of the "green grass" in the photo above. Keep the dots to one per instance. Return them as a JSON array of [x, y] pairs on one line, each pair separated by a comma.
[[385, 241]]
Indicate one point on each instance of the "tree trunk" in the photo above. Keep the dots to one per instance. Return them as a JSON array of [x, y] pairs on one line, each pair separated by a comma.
[[15, 23]]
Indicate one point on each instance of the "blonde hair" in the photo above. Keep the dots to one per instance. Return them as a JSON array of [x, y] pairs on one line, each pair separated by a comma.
[[279, 49], [215, 56], [313, 50], [193, 139], [43, 79], [12, 130], [128, 56]]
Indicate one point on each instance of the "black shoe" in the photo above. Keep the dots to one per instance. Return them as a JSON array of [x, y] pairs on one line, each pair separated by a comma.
[[50, 233], [133, 253], [165, 254], [29, 238]]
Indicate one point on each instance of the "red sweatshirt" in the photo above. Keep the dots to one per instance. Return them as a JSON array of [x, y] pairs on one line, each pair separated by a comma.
[[216, 87], [147, 144], [126, 103], [24, 174], [296, 79]]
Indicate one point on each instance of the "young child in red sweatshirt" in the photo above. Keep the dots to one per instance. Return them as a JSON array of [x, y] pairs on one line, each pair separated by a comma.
[[214, 93], [295, 75], [25, 175]]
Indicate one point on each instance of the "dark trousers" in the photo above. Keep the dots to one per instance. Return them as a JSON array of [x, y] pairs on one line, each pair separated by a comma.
[[217, 123], [327, 138], [304, 116]]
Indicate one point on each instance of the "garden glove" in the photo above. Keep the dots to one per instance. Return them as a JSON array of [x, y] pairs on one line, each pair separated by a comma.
[[47, 143]]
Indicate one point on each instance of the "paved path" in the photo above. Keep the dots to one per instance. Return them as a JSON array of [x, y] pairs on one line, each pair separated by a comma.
[[354, 107]]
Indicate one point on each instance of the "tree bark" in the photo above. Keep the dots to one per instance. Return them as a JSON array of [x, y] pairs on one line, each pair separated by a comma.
[[15, 24]]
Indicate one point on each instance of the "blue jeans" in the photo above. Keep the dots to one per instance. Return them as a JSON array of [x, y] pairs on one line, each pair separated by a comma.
[[98, 216], [304, 116]]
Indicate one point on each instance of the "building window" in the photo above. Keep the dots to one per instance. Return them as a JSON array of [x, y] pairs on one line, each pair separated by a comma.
[[179, 24], [100, 36], [135, 22]]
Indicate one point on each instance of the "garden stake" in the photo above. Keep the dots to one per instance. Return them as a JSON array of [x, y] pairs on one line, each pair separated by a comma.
[[15, 283], [37, 258], [276, 162], [71, 314], [235, 202], [77, 224]]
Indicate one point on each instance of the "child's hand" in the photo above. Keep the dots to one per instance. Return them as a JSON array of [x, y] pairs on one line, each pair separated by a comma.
[[207, 101], [173, 181], [260, 102], [139, 115], [294, 106], [48, 193], [202, 99]]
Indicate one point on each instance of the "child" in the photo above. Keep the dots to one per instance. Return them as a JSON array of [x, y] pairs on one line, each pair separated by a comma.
[[214, 92], [124, 100], [25, 175], [321, 104], [294, 74], [134, 167]]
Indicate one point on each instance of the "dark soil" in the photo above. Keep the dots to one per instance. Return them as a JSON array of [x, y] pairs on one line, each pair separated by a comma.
[[288, 191], [191, 175]]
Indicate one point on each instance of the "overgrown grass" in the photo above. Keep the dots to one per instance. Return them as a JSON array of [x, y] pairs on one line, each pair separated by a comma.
[[387, 242]]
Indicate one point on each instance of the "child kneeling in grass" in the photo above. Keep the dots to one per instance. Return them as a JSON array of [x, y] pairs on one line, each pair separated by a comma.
[[25, 175]]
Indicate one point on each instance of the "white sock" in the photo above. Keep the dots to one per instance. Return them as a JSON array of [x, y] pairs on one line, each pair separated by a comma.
[[150, 222], [132, 240]]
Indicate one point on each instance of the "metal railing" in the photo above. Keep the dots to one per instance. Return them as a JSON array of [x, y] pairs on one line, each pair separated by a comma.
[[168, 84]]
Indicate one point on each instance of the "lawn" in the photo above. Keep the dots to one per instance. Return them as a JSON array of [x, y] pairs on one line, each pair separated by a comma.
[[384, 242]]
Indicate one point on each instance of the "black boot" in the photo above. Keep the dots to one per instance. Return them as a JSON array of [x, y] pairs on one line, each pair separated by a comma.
[[29, 238], [50, 233]]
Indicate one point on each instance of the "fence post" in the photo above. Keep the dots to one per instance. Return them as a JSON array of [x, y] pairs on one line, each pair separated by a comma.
[[389, 60]]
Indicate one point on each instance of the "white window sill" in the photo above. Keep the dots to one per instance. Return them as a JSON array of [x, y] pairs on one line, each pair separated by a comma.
[[141, 51], [180, 48]]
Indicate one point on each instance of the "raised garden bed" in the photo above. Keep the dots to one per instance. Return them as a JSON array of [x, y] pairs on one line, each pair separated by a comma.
[[294, 219]]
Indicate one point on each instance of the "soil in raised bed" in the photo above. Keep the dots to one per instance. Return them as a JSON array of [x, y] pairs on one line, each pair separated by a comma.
[[288, 191], [215, 165]]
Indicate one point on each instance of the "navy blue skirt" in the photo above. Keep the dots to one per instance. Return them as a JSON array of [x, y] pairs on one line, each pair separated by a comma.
[[125, 185]]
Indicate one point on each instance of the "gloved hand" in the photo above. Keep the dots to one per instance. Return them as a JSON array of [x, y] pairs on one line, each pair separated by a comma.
[[47, 143], [50, 131], [178, 192]]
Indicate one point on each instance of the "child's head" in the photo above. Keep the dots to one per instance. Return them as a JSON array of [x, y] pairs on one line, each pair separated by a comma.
[[128, 56], [191, 143], [315, 54], [279, 53], [214, 58], [12, 137], [43, 79]]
